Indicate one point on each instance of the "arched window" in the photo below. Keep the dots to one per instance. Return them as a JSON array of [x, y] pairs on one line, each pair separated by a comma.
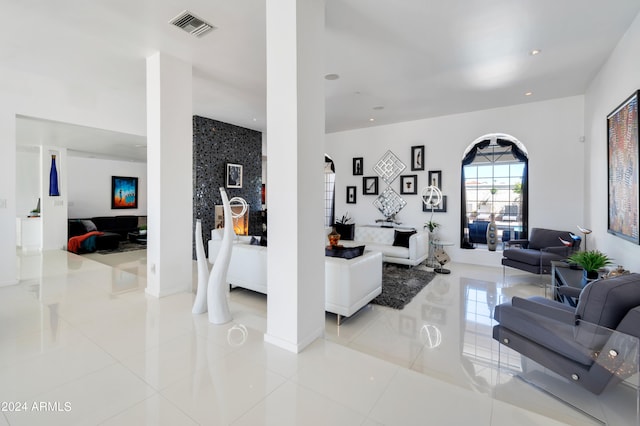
[[329, 191], [495, 186]]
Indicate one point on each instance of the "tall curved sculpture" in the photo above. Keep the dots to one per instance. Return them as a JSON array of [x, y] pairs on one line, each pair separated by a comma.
[[217, 287], [200, 304]]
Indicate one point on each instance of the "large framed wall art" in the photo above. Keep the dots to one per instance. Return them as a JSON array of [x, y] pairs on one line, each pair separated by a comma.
[[623, 163]]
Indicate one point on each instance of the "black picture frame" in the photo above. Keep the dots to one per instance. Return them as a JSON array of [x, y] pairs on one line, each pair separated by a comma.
[[442, 208], [417, 157], [124, 192], [435, 178], [370, 185], [623, 164], [351, 194], [234, 175], [358, 166], [409, 184]]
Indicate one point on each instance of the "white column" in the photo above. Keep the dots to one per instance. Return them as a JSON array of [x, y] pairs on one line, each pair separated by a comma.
[[8, 258], [169, 175], [295, 129]]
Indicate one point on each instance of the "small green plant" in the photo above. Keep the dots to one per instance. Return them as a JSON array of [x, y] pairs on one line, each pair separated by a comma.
[[142, 227], [431, 225], [591, 260]]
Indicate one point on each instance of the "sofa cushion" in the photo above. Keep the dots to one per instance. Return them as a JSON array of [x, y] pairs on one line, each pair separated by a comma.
[[344, 252], [401, 238], [76, 228], [531, 257], [373, 234], [542, 238]]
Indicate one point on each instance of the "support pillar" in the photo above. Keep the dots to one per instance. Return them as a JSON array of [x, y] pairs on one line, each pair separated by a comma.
[[169, 175], [8, 258], [295, 176]]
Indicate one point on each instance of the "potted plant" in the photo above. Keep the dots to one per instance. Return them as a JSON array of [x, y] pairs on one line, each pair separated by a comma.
[[344, 227], [590, 261], [431, 225], [142, 229]]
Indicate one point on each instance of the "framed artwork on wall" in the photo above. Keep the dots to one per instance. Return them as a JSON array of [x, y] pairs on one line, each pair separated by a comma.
[[441, 208], [351, 194], [124, 192], [435, 178], [408, 184], [370, 185], [417, 157], [234, 175], [358, 166], [623, 166]]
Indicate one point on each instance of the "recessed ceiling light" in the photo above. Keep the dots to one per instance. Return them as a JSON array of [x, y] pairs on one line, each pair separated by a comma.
[[378, 108], [331, 77], [535, 52], [372, 119], [255, 119], [528, 94]]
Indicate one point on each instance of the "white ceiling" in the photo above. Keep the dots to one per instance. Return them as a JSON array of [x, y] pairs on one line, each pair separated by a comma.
[[415, 58]]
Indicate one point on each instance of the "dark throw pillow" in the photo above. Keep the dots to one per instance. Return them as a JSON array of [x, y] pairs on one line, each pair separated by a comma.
[[344, 252], [254, 241], [401, 238], [263, 241]]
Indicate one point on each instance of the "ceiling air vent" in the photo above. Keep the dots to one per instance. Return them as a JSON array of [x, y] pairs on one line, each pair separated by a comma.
[[191, 24]]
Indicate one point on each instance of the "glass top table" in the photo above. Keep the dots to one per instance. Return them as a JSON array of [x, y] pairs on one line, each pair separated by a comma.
[[562, 274]]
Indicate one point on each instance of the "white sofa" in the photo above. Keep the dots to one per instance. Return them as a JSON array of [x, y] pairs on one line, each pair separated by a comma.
[[377, 238], [350, 284]]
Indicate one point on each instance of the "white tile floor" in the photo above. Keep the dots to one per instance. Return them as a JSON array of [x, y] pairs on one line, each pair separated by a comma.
[[83, 337]]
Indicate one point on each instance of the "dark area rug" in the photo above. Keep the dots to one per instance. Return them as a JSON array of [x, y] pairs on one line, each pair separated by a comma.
[[123, 247], [400, 285]]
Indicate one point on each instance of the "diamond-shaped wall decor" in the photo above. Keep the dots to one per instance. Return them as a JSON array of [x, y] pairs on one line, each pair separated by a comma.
[[389, 167], [389, 202]]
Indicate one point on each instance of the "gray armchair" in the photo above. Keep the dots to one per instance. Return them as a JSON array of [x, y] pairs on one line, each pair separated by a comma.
[[535, 254], [594, 345]]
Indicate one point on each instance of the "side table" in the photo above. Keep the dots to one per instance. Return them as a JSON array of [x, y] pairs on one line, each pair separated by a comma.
[[438, 265]]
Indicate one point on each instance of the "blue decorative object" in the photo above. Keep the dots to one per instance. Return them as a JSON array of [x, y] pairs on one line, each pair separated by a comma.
[[53, 179]]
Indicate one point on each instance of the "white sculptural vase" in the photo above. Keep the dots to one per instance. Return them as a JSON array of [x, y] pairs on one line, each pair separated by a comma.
[[200, 304], [217, 287]]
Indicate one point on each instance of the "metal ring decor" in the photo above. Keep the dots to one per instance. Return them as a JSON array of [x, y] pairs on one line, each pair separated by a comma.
[[431, 196], [238, 201]]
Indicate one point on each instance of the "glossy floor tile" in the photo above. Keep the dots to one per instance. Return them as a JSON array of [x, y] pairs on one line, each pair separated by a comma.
[[81, 343]]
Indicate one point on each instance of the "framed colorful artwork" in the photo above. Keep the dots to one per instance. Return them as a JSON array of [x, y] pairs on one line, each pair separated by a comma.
[[124, 192], [623, 165]]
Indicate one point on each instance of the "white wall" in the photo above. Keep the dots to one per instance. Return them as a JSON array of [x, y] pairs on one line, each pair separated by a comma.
[[550, 130], [89, 186], [617, 80]]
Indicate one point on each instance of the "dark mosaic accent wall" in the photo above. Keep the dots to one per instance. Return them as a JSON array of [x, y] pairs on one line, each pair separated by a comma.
[[214, 145]]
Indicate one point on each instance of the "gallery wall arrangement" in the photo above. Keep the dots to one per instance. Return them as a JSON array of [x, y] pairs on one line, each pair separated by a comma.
[[389, 168]]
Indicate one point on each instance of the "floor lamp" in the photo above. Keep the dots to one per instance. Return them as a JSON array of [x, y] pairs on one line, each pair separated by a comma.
[[586, 232]]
